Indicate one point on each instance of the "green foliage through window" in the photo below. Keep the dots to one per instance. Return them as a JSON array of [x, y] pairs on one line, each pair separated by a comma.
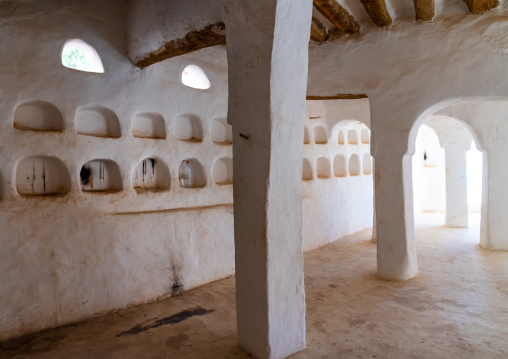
[[75, 59]]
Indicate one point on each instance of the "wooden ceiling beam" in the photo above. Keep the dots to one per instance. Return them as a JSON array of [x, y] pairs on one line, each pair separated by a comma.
[[318, 32], [378, 12], [211, 35], [337, 15], [424, 10], [478, 7]]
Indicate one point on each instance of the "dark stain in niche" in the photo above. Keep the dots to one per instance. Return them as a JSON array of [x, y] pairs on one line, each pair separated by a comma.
[[85, 175], [177, 286], [173, 319]]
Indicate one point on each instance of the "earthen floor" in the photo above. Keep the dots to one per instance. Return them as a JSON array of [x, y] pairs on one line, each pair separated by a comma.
[[455, 308]]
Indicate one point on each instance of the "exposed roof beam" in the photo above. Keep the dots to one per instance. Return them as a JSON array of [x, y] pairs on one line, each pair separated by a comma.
[[424, 10], [318, 32], [337, 15], [195, 40], [477, 7], [377, 12]]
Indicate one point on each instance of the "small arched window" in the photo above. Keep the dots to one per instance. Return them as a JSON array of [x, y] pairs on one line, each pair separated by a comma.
[[78, 55], [194, 76]]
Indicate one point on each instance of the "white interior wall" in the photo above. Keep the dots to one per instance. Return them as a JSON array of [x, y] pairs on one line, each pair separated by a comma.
[[64, 258], [335, 205], [71, 256]]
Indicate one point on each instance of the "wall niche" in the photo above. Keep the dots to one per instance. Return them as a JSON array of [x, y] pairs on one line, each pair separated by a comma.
[[221, 131], [307, 174], [367, 164], [222, 171], [352, 137], [151, 175], [341, 138], [354, 165], [191, 174], [320, 135], [306, 138], [339, 166], [100, 175], [365, 136], [188, 128], [38, 116], [42, 176], [149, 125], [97, 121], [323, 167]]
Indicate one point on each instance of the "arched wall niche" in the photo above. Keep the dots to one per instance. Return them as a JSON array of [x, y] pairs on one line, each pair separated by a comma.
[[97, 121], [307, 174], [222, 171], [100, 175], [320, 135], [42, 176], [38, 116], [149, 125], [323, 167], [306, 138], [341, 139], [188, 128], [354, 165], [367, 164], [352, 137], [221, 131], [339, 166], [151, 175], [365, 136], [191, 174]]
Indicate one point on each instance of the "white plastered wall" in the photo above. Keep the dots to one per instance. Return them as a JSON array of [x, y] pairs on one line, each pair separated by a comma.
[[335, 206], [65, 258]]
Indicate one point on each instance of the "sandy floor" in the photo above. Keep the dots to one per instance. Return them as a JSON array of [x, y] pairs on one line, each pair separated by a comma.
[[455, 308]]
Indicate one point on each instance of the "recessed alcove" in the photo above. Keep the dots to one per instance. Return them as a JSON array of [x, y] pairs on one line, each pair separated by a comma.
[[352, 137], [188, 128], [191, 174], [341, 138], [100, 175], [42, 176], [339, 166], [365, 136], [221, 131], [149, 125], [367, 164], [320, 135], [97, 121], [151, 175], [354, 165], [306, 139], [307, 174], [38, 116], [323, 167], [222, 171]]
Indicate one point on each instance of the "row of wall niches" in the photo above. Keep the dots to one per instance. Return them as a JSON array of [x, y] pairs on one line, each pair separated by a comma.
[[99, 121], [351, 137], [48, 176], [342, 167]]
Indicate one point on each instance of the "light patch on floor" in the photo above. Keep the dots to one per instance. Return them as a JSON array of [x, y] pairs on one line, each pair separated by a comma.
[[454, 308]]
